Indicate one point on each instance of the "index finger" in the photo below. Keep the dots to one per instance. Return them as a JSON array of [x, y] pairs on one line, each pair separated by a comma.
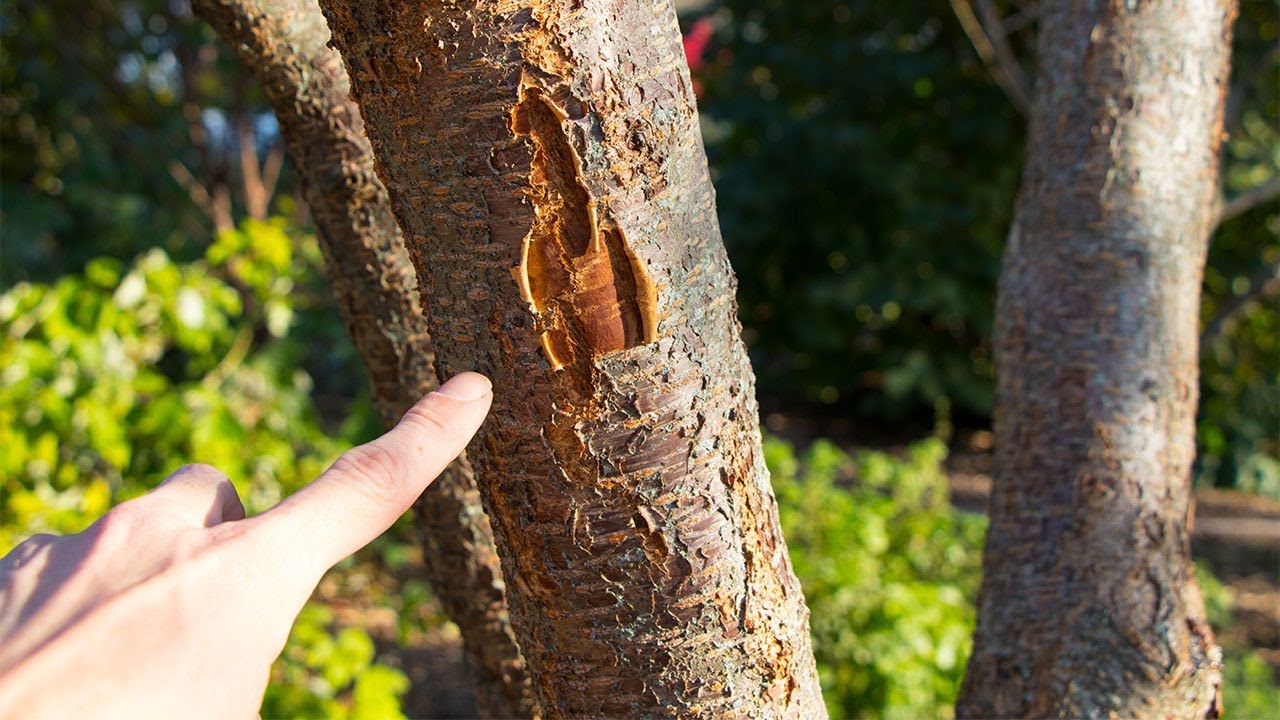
[[369, 486]]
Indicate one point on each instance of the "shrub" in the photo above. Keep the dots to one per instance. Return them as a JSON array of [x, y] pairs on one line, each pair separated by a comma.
[[115, 377], [889, 570]]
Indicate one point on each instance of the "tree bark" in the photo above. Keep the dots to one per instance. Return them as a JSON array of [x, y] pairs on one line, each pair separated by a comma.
[[545, 163], [284, 43], [1089, 607]]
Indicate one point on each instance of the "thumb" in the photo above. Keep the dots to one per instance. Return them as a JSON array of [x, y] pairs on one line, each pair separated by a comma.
[[369, 486]]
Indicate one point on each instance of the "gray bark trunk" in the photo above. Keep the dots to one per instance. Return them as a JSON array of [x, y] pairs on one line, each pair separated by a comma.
[[545, 163], [283, 42], [1089, 607]]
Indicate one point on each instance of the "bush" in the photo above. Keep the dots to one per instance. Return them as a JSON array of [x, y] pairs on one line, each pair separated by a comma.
[[115, 377], [1249, 690], [889, 569], [326, 675]]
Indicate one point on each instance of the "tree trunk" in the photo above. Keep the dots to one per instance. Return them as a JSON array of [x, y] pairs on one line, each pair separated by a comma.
[[545, 163], [1089, 607], [284, 43]]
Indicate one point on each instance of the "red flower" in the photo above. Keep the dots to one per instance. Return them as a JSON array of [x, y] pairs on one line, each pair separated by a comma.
[[696, 41]]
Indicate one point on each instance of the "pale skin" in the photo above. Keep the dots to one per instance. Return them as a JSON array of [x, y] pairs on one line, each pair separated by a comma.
[[175, 604]]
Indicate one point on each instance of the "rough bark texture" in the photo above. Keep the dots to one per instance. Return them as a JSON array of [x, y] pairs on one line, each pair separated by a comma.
[[1089, 607], [284, 43], [545, 163]]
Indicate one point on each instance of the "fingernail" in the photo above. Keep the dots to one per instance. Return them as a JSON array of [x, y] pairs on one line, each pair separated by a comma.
[[466, 387]]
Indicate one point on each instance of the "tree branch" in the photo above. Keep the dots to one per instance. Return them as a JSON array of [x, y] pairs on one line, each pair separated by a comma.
[[992, 44], [271, 167], [1025, 14], [255, 196], [1006, 60], [1246, 201], [216, 209], [1264, 282]]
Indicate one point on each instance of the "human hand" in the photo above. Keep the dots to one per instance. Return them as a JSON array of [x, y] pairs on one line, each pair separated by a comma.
[[175, 605]]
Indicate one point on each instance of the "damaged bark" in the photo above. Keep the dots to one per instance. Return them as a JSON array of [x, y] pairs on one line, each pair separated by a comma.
[[1089, 606], [283, 42], [545, 163]]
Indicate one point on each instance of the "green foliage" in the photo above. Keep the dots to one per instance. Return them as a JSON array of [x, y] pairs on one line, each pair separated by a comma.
[[865, 169], [259, 256], [1217, 597], [1239, 421], [1249, 689], [113, 378], [889, 570], [327, 675], [99, 101]]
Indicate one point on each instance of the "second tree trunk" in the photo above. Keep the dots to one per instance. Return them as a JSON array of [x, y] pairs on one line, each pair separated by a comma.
[[1089, 606]]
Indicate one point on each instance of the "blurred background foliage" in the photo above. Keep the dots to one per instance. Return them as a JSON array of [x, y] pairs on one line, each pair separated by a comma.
[[890, 572], [866, 165], [162, 301], [114, 377]]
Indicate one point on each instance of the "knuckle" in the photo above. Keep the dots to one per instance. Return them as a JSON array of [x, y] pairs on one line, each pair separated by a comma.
[[31, 550], [36, 542], [122, 525], [183, 546], [203, 473], [430, 423], [372, 470]]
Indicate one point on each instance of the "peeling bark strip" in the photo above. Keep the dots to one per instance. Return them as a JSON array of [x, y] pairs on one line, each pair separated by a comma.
[[1089, 607], [284, 43], [621, 463]]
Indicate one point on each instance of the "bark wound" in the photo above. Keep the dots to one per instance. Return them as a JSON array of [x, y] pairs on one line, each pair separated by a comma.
[[590, 293]]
